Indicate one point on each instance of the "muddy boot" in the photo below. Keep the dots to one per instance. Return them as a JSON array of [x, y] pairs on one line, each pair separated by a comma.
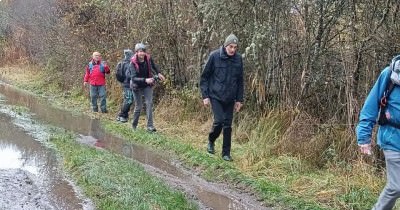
[[227, 158], [210, 147], [151, 129], [226, 144], [123, 119]]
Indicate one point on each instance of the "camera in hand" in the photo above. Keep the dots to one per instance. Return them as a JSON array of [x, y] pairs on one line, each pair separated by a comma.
[[156, 78]]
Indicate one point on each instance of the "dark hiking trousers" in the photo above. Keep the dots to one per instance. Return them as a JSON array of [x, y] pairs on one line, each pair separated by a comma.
[[147, 92], [223, 115], [127, 103], [98, 91]]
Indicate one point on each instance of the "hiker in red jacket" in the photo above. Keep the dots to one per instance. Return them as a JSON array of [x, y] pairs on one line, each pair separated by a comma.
[[95, 75]]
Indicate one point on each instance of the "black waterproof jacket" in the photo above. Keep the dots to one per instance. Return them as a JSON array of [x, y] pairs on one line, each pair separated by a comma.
[[222, 77]]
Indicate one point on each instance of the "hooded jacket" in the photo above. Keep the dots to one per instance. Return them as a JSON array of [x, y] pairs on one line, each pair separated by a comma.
[[96, 77], [388, 137], [126, 67], [222, 77]]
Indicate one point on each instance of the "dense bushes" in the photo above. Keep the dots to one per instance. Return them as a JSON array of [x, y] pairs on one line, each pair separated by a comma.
[[317, 58]]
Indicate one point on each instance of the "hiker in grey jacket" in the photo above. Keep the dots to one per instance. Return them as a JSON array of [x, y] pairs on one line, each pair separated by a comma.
[[221, 84]]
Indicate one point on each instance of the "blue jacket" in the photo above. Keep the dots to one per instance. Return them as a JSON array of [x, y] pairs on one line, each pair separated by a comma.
[[388, 137]]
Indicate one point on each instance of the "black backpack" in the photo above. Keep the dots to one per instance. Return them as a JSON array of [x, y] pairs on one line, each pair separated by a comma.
[[120, 72]]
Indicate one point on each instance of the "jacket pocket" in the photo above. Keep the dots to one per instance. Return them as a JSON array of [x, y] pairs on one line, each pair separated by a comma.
[[220, 72]]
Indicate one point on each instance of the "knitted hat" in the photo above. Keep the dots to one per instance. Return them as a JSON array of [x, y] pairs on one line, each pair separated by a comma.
[[140, 46], [231, 39]]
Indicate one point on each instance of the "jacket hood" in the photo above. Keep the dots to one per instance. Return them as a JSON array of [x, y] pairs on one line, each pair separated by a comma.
[[128, 54]]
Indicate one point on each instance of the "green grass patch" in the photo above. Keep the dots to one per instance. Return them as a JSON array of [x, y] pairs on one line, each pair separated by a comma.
[[113, 181], [213, 168]]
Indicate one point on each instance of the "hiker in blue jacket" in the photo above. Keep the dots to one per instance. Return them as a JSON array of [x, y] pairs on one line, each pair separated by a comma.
[[388, 135]]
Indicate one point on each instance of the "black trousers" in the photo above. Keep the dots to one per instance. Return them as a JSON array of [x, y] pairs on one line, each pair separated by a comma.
[[127, 103], [223, 115]]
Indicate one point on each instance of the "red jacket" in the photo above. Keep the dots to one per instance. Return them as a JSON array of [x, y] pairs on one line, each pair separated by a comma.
[[96, 76]]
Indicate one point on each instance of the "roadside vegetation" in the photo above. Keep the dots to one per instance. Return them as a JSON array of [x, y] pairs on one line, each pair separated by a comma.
[[308, 68], [277, 179]]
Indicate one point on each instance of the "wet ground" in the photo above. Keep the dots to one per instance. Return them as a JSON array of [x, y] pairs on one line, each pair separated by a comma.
[[29, 174], [208, 195]]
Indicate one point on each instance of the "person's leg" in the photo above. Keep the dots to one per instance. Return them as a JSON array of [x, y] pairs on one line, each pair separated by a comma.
[[227, 130], [148, 96], [93, 97], [103, 98], [391, 192], [216, 128], [137, 95], [126, 105]]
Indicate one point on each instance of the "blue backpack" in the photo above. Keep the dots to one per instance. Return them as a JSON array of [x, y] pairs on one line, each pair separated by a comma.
[[101, 67]]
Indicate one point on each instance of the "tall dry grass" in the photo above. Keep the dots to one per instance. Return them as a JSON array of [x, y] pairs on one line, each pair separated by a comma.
[[311, 160]]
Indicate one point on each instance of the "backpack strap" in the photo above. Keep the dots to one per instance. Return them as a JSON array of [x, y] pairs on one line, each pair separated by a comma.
[[382, 119], [101, 67]]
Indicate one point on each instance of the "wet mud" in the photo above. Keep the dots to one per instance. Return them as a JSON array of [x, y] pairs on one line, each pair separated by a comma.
[[207, 195], [29, 174]]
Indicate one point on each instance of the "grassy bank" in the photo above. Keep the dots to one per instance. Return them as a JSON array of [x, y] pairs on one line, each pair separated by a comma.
[[278, 178], [115, 182]]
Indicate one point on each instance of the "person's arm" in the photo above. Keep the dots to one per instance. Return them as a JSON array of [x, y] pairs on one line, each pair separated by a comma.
[[205, 76], [156, 70], [240, 89], [370, 109], [106, 68], [87, 75]]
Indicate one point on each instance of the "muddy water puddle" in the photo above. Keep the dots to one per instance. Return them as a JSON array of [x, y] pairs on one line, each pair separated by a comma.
[[29, 174], [208, 195]]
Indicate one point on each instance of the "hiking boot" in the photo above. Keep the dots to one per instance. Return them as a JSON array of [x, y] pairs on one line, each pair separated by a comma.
[[210, 148], [104, 111], [123, 119], [151, 129], [227, 158]]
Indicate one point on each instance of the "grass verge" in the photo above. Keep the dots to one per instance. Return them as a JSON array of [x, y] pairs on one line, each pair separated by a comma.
[[114, 182]]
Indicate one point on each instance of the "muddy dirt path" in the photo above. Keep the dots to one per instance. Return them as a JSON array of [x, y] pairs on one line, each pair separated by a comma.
[[29, 174], [208, 195]]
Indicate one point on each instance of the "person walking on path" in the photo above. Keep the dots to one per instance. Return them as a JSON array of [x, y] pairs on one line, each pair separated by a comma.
[[95, 76], [123, 67], [221, 85], [382, 102], [142, 82]]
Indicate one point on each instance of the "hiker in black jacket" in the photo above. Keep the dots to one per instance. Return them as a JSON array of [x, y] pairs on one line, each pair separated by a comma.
[[144, 75], [125, 69], [221, 84]]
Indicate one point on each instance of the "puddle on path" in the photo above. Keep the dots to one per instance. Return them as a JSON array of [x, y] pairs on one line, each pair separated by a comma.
[[29, 174], [209, 195]]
